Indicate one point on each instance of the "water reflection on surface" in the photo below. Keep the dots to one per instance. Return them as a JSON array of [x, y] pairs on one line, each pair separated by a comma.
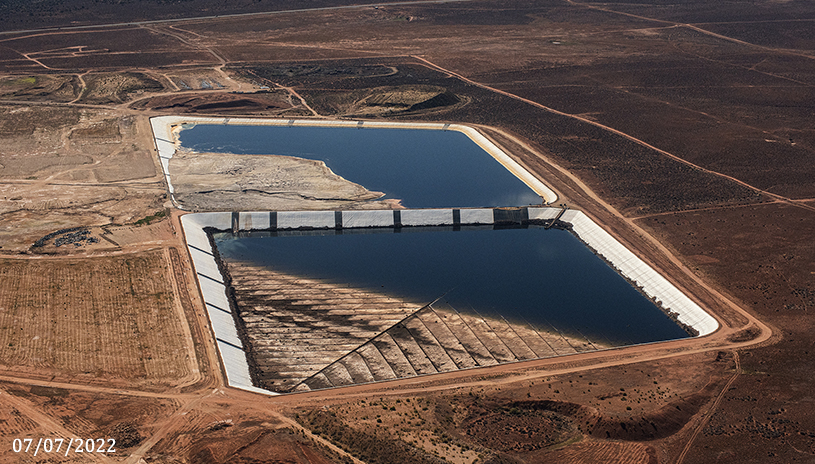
[[546, 278], [423, 168]]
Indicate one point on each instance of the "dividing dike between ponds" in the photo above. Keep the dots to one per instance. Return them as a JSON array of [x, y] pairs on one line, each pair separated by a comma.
[[214, 289]]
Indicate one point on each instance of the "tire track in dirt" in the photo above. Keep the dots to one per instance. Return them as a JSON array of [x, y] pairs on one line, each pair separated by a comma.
[[707, 414], [613, 131], [51, 427], [783, 51]]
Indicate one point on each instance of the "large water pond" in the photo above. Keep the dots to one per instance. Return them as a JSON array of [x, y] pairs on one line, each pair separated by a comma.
[[528, 275], [546, 278], [423, 168]]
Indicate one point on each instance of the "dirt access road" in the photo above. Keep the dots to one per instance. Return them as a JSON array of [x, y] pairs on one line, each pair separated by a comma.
[[610, 158]]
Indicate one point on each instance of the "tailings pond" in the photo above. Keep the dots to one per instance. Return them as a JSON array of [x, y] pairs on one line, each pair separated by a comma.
[[423, 168], [527, 275]]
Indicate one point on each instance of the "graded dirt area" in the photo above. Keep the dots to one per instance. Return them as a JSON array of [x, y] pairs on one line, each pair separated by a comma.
[[125, 307], [65, 167], [684, 129]]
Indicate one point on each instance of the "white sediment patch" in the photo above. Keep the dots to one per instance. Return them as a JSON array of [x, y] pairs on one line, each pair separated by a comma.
[[165, 133]]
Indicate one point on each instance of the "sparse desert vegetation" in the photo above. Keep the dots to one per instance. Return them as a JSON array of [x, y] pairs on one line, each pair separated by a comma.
[[685, 129]]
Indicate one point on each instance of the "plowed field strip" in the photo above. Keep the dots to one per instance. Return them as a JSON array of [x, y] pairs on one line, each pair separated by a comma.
[[111, 316], [195, 328], [610, 452]]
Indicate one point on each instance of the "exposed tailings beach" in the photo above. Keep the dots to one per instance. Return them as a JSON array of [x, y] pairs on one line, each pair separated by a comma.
[[223, 181]]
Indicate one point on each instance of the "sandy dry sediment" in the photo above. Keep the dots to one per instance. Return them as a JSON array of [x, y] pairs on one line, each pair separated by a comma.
[[223, 181]]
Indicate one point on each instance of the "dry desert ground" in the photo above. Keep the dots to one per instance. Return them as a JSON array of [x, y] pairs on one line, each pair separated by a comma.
[[685, 128]]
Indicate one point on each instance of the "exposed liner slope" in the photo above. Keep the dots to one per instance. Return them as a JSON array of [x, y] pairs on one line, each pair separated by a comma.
[[213, 291], [636, 270], [432, 340]]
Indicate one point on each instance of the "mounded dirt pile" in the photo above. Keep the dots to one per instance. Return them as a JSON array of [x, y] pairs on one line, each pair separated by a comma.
[[526, 426], [196, 103], [443, 99], [518, 429]]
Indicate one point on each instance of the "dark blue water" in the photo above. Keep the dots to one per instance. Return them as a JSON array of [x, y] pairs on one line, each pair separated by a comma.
[[423, 168], [539, 276]]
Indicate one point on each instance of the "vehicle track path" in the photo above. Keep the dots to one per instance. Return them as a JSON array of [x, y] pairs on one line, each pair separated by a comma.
[[705, 417], [450, 73], [784, 51], [53, 428]]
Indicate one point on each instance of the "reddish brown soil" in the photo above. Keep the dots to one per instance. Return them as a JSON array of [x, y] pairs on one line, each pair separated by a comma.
[[772, 274], [686, 131], [126, 313]]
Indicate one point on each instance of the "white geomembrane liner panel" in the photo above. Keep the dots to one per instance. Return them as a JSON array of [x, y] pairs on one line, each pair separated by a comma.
[[195, 235], [652, 283], [297, 219], [254, 220], [477, 216], [220, 221], [224, 326], [426, 217], [237, 371], [214, 294], [375, 218], [543, 213], [205, 264]]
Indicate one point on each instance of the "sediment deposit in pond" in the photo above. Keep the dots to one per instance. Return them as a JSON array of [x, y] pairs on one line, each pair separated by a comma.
[[217, 181]]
